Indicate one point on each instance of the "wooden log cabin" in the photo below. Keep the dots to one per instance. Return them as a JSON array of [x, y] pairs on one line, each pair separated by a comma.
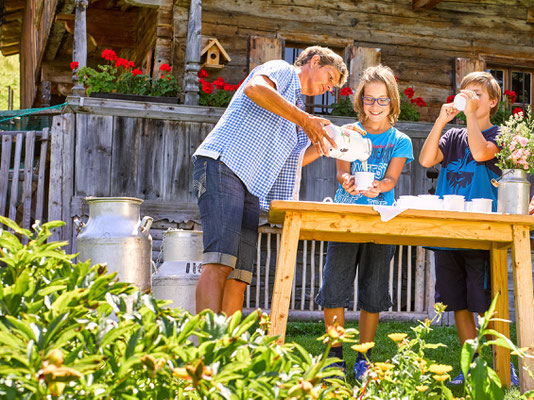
[[128, 148], [430, 44]]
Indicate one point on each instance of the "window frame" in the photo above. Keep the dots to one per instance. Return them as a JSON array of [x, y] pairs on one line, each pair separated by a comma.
[[507, 80], [309, 101]]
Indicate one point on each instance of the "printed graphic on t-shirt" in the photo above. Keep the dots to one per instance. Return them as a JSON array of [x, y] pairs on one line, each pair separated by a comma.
[[386, 146], [460, 172]]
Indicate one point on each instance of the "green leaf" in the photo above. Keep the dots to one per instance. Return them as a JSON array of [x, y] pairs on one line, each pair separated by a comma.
[[23, 327], [134, 339]]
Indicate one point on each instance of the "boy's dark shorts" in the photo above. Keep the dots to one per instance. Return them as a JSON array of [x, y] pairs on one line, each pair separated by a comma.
[[463, 279], [229, 214]]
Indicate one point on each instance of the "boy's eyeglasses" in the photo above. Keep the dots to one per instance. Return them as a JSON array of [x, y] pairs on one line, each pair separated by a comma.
[[382, 101]]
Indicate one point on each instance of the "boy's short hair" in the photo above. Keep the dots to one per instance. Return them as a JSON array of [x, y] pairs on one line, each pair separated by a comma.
[[379, 73], [484, 79], [327, 57]]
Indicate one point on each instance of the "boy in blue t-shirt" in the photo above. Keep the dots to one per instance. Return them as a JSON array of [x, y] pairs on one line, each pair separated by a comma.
[[467, 158]]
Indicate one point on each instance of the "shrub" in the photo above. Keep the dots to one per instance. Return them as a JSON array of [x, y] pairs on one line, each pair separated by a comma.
[[72, 331]]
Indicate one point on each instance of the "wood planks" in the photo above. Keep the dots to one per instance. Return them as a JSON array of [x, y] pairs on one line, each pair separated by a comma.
[[23, 181]]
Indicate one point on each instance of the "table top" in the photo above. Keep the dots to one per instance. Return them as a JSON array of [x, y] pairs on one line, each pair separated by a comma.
[[280, 207], [434, 228]]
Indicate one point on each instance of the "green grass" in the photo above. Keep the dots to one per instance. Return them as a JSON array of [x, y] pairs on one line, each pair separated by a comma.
[[306, 334]]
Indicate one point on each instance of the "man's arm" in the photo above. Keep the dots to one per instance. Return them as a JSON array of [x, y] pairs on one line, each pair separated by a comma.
[[262, 91]]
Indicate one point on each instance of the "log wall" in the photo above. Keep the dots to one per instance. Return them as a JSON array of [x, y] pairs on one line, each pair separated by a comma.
[[420, 46]]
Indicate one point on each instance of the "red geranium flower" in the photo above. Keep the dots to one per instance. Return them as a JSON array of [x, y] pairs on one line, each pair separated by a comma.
[[511, 95], [165, 68], [74, 65], [123, 62], [219, 82], [228, 87], [450, 99], [109, 55], [345, 91], [418, 101], [409, 92], [517, 110], [202, 73], [207, 87], [136, 72], [396, 79]]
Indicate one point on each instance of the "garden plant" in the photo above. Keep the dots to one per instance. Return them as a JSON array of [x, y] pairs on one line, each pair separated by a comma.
[[72, 331], [119, 75]]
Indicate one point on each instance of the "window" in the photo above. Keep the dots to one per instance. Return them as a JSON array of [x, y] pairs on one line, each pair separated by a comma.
[[519, 81], [321, 104]]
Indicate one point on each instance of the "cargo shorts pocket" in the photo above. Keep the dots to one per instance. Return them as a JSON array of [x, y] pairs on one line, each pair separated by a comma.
[[199, 178]]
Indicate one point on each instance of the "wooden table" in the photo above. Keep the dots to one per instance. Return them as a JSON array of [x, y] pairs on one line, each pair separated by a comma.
[[356, 223]]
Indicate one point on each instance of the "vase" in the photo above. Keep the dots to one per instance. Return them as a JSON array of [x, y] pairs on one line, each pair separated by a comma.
[[513, 192], [136, 97]]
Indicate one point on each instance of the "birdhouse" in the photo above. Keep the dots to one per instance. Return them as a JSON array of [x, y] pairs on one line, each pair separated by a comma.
[[213, 56]]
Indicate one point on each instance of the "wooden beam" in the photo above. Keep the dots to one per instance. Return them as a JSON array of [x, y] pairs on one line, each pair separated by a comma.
[[426, 4], [530, 16], [146, 3], [107, 27], [57, 33], [10, 50], [14, 6]]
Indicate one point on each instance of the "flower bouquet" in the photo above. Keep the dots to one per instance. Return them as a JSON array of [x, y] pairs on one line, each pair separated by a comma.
[[119, 75], [517, 142]]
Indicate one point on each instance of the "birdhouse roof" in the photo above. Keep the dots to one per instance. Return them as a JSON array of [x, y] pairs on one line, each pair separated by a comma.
[[215, 42]]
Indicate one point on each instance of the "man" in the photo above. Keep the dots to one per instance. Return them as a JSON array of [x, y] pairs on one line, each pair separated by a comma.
[[253, 155]]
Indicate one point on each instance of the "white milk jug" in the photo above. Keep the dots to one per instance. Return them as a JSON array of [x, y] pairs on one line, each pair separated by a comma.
[[351, 145]]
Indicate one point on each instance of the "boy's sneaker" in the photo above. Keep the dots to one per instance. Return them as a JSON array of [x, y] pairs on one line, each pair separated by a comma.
[[340, 365], [459, 380], [513, 375], [360, 368]]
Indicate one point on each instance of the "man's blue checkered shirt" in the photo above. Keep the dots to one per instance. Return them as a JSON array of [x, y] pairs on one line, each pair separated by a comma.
[[263, 149]]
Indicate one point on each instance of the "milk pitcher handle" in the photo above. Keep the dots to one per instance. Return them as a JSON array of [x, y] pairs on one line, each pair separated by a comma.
[[145, 224], [78, 223]]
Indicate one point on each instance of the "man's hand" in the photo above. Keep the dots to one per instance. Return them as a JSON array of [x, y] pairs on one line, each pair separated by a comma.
[[314, 128]]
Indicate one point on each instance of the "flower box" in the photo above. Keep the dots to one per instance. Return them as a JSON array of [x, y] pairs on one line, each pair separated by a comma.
[[136, 97]]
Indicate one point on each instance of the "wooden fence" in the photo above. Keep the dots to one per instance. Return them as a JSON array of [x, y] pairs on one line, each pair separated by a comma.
[[23, 176], [411, 283]]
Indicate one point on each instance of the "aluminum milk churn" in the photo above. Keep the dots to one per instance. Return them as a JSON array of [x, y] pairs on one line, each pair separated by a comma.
[[115, 235], [513, 192], [178, 276]]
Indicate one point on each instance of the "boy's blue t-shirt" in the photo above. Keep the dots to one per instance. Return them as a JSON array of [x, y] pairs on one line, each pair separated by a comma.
[[460, 173], [386, 145]]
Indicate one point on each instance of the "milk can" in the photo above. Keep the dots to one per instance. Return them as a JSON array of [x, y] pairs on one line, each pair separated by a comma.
[[115, 235], [513, 192], [177, 277]]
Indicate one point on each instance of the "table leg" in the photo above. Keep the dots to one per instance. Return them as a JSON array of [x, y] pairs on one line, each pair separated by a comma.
[[524, 301], [285, 271], [499, 285]]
